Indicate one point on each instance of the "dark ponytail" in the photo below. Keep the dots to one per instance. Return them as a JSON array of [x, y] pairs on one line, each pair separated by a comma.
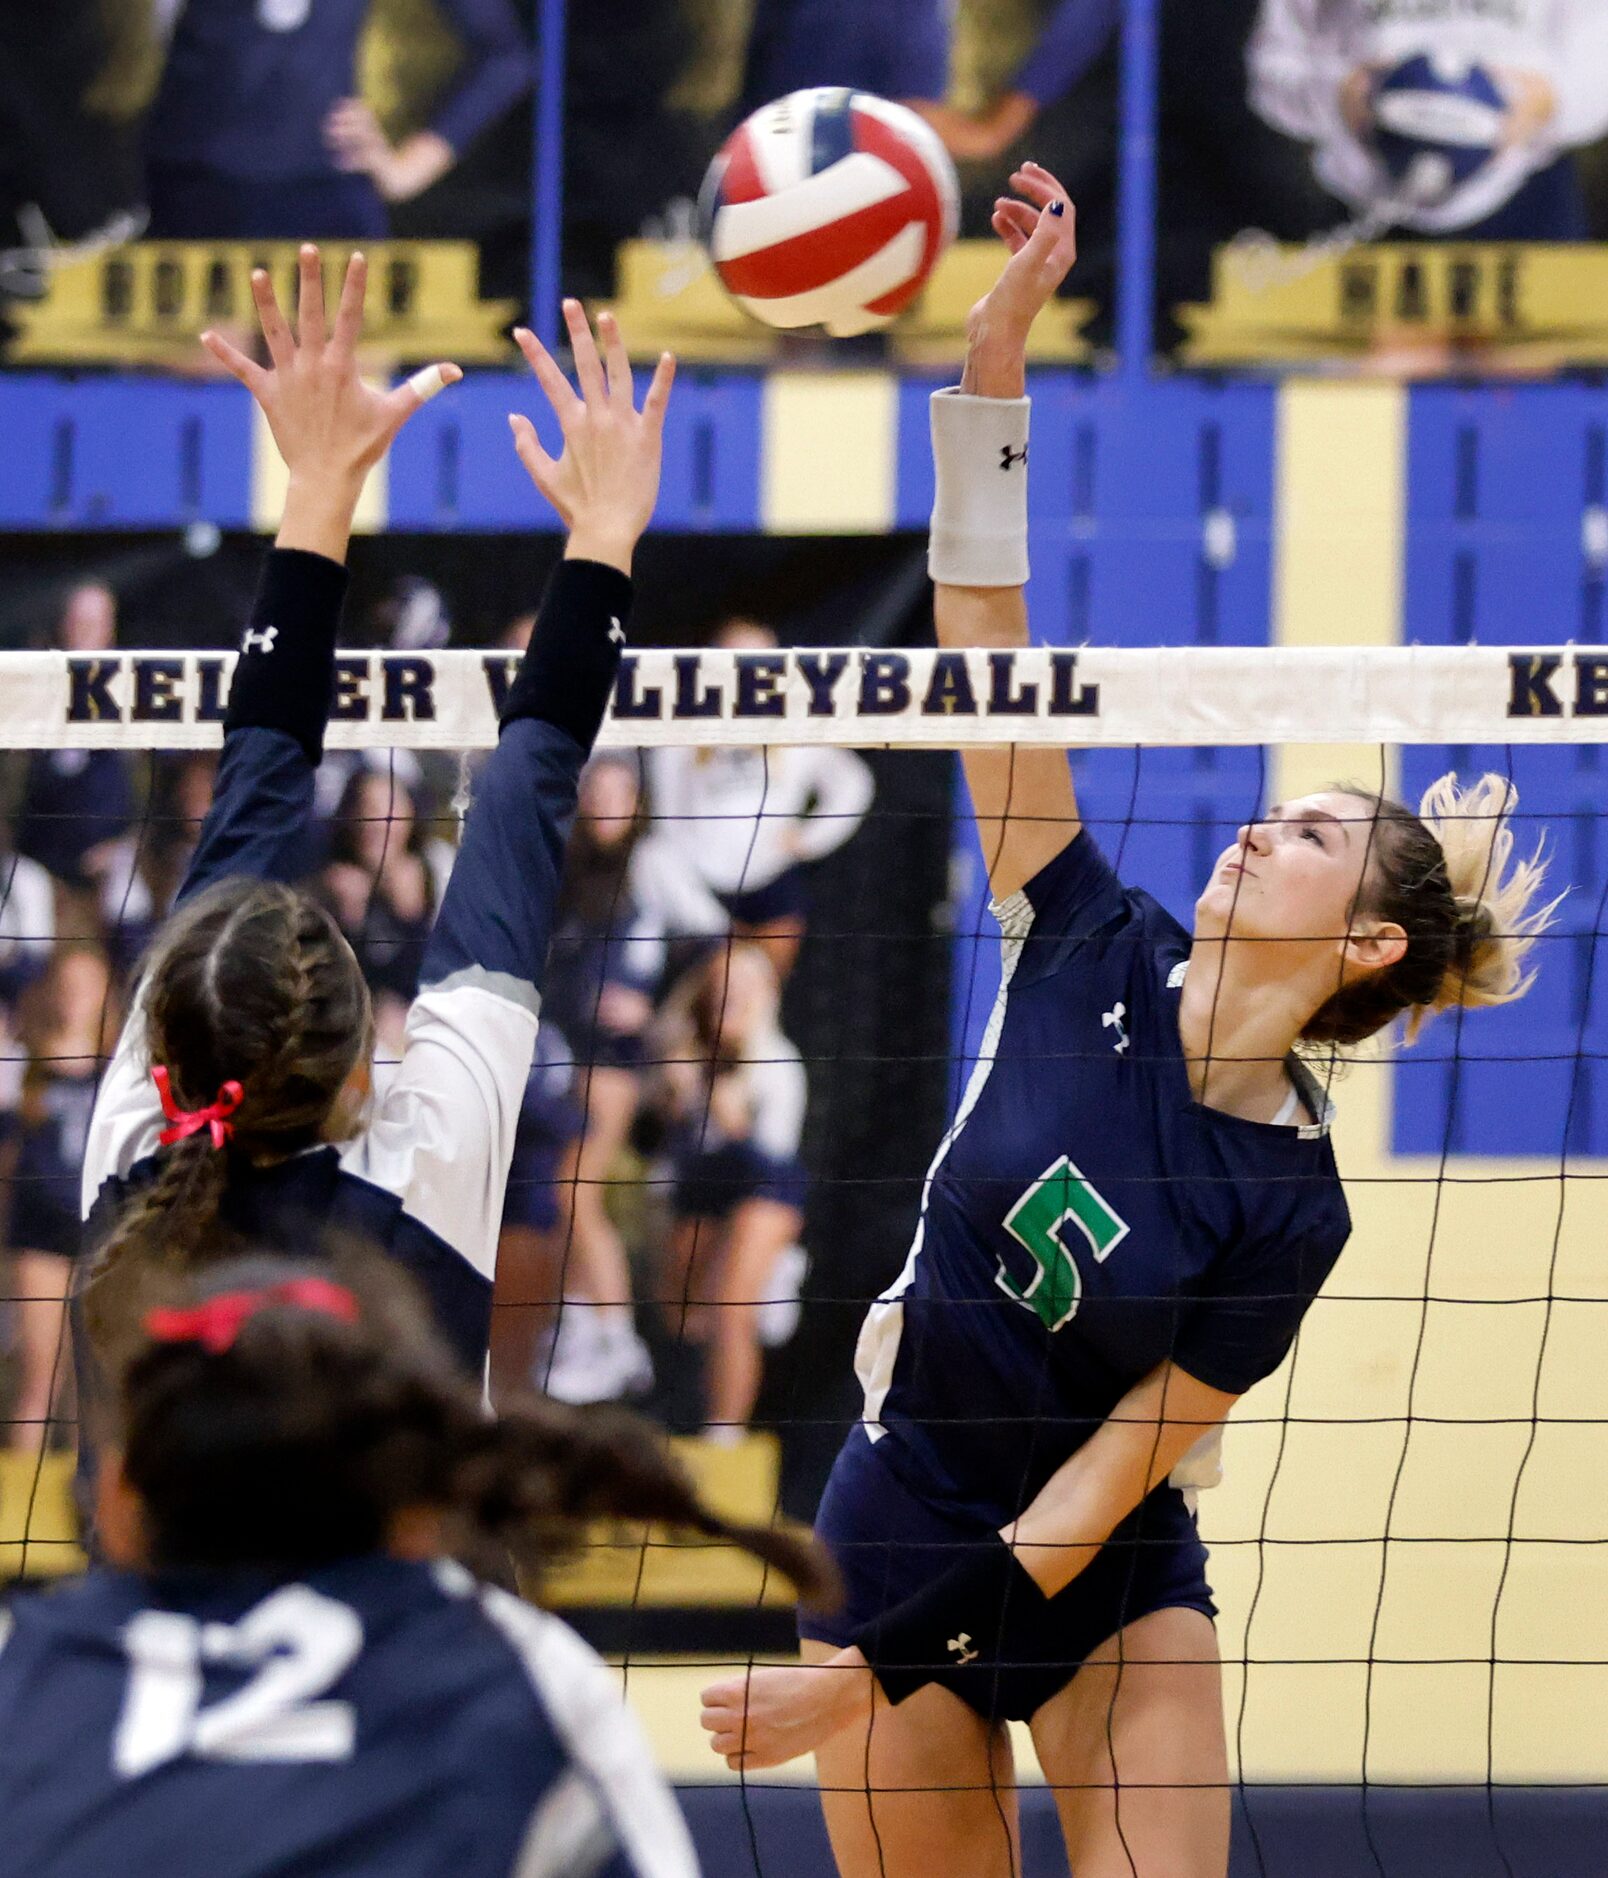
[[300, 1440]]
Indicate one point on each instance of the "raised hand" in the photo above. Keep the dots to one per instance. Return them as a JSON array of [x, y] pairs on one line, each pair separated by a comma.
[[323, 416], [606, 481], [1041, 234]]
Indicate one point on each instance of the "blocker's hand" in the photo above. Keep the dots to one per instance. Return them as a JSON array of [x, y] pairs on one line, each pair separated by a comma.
[[605, 482], [768, 1716], [1041, 233], [327, 422]]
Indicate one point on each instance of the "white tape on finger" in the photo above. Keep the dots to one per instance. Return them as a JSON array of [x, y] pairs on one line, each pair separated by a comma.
[[426, 384]]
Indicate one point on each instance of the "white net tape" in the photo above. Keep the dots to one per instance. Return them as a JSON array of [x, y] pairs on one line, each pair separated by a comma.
[[855, 696]]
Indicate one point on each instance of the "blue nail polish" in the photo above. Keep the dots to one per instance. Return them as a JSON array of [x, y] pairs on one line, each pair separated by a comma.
[[1058, 208]]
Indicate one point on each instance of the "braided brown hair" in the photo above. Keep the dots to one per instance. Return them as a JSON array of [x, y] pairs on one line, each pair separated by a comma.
[[300, 1442], [250, 982]]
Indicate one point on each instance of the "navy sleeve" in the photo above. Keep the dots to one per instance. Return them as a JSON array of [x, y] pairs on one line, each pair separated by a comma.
[[496, 918], [1078, 33], [499, 69], [1243, 1329], [1073, 895], [262, 807]]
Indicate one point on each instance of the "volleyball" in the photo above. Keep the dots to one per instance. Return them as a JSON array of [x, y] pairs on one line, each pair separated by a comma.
[[1438, 122], [829, 208]]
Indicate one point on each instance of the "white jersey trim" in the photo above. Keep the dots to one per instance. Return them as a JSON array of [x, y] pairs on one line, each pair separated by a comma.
[[878, 1347], [606, 1744]]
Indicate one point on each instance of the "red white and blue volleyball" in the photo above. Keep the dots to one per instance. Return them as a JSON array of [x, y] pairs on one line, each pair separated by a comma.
[[829, 208]]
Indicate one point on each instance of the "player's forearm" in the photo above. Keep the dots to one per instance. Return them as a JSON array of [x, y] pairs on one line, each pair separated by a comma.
[[1078, 1508], [319, 507], [496, 917]]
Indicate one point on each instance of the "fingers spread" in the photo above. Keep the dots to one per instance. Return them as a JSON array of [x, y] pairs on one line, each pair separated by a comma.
[[658, 398], [250, 374], [528, 448], [281, 348], [588, 367], [310, 299], [1014, 223], [560, 393], [621, 389], [349, 317]]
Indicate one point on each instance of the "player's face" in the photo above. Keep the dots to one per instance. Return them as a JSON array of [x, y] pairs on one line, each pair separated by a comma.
[[1294, 875]]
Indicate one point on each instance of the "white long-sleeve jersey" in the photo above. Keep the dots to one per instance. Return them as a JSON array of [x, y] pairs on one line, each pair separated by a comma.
[[1302, 51], [739, 818]]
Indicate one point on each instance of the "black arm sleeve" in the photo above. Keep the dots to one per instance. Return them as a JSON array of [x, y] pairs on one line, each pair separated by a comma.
[[566, 677], [284, 678]]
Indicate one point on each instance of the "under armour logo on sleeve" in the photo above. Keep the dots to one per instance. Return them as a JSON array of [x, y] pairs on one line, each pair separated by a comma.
[[1114, 1017], [616, 631], [1008, 457], [961, 1646], [259, 641]]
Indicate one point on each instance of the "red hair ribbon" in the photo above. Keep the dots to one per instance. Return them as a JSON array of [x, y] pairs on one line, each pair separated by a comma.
[[188, 1122], [216, 1323]]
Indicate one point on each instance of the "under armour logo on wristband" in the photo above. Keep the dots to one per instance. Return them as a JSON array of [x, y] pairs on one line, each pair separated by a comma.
[[961, 1646], [616, 631], [259, 641], [1009, 457]]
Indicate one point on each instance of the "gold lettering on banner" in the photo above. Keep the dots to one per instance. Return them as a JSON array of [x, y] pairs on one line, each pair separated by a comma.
[[146, 304], [1433, 305], [670, 299]]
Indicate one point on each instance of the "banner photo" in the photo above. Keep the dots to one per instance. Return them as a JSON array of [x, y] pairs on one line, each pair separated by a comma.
[[147, 303], [1538, 306], [853, 696]]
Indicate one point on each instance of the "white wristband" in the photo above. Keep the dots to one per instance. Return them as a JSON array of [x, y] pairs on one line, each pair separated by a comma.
[[979, 511]]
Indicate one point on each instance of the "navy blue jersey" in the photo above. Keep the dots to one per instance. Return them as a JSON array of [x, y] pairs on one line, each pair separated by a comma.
[[248, 83], [423, 1180], [72, 801], [50, 1153], [374, 1719], [1085, 1218]]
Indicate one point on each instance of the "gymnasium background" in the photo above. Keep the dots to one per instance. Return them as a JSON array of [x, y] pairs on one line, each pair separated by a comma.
[[1392, 444]]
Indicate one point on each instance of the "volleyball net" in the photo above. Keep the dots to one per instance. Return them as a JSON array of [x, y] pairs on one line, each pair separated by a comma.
[[1407, 1544]]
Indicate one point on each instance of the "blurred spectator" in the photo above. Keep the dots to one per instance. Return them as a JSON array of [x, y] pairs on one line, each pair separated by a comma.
[[77, 803], [1315, 71], [896, 48], [147, 867], [747, 822], [68, 158], [736, 1092], [536, 1222], [68, 1024], [624, 897], [626, 153], [1076, 35], [257, 131], [27, 920], [384, 880]]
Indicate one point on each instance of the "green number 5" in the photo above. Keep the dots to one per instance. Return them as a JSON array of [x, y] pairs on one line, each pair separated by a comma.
[[1060, 1193]]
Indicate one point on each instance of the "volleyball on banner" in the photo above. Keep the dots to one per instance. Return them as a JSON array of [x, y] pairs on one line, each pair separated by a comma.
[[829, 208]]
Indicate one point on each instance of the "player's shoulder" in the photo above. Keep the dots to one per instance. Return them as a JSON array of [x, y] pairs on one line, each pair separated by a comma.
[[616, 1784], [98, 1602]]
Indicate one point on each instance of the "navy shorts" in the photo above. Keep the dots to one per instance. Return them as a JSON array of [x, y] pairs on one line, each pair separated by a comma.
[[531, 1198], [785, 897], [888, 1543], [712, 1185]]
